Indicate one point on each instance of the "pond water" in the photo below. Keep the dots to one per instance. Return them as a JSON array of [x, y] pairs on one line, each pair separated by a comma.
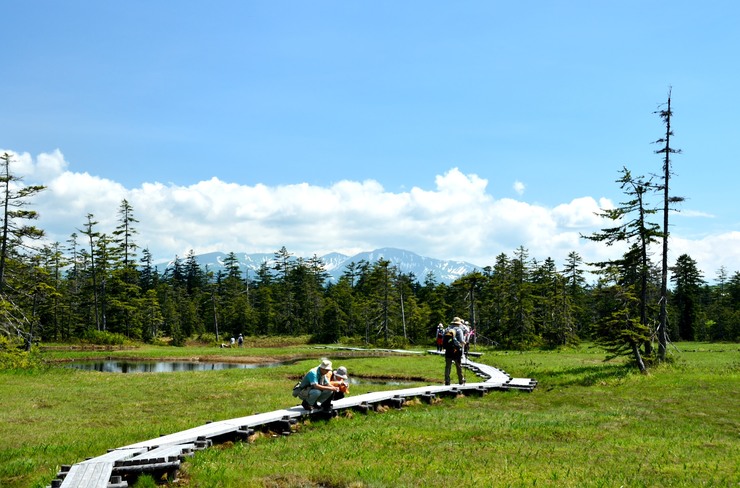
[[112, 366]]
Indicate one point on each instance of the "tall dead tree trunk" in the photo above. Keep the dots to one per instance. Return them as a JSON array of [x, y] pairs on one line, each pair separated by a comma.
[[666, 150]]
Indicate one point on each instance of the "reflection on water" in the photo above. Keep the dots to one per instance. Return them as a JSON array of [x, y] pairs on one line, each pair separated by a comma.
[[159, 366], [112, 366]]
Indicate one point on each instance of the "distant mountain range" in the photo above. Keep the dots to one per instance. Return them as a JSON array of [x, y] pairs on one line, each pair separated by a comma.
[[444, 271]]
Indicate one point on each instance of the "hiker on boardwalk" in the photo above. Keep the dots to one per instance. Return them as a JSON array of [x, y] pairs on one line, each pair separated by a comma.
[[466, 338], [340, 379], [440, 336], [314, 389], [469, 339], [240, 340], [454, 343]]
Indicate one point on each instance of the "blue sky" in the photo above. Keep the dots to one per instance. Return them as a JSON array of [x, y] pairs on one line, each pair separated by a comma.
[[454, 130]]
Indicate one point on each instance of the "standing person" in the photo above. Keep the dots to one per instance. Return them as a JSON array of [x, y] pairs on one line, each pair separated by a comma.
[[471, 338], [454, 343], [466, 338], [340, 379], [240, 340], [440, 336], [314, 389]]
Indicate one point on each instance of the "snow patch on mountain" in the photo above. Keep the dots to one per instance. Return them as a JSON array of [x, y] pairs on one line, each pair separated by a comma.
[[335, 264]]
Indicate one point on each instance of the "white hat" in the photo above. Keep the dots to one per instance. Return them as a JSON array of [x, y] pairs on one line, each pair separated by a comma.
[[457, 321], [325, 364], [341, 372]]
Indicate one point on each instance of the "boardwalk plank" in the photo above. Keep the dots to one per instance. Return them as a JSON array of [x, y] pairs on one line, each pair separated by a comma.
[[90, 475]]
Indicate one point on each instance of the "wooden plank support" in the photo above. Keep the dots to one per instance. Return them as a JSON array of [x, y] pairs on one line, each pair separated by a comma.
[[244, 432], [363, 407], [117, 482], [157, 455], [452, 391], [396, 401], [202, 442], [427, 397], [280, 426], [137, 469]]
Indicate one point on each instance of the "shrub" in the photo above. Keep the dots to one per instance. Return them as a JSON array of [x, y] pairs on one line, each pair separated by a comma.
[[14, 356]]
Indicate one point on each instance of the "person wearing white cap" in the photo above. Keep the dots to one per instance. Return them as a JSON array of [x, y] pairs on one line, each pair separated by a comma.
[[454, 350], [440, 336], [314, 389]]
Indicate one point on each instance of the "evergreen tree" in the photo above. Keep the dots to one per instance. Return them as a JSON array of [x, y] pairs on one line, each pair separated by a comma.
[[723, 319], [341, 311], [379, 303], [499, 303], [618, 326], [553, 311], [285, 314], [124, 233], [152, 317], [124, 292], [194, 277], [15, 229], [575, 289], [148, 274], [264, 300], [431, 297], [315, 281], [92, 236], [53, 262], [637, 232], [686, 295], [521, 327]]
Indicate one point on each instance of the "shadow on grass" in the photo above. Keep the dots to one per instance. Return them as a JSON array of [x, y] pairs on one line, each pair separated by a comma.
[[585, 375]]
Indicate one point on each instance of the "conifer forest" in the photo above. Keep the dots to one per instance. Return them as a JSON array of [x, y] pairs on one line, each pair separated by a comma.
[[100, 287]]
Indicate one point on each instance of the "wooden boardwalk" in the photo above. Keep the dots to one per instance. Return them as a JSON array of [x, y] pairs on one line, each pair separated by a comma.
[[163, 455]]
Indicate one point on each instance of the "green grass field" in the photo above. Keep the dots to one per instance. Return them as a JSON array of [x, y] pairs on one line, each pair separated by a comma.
[[588, 423]]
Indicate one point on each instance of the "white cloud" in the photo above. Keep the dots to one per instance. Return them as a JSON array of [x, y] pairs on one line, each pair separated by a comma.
[[710, 252], [456, 219], [519, 187]]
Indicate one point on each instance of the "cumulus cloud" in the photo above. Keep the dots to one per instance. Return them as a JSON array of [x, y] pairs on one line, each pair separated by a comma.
[[456, 218], [519, 187]]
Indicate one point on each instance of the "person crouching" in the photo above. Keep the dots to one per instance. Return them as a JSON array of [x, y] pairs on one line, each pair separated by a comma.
[[315, 389]]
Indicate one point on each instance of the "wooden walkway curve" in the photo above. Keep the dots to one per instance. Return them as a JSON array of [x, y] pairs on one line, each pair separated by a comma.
[[164, 454]]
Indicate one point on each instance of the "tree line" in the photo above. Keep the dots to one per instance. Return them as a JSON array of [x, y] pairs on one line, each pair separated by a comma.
[[97, 285]]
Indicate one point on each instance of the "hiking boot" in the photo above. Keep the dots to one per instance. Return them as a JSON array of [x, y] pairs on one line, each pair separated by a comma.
[[326, 407], [306, 405]]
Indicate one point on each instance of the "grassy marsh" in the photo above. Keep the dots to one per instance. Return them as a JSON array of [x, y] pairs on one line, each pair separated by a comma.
[[588, 423]]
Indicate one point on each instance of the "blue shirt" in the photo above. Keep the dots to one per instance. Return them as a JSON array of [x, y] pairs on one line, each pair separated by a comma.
[[314, 377]]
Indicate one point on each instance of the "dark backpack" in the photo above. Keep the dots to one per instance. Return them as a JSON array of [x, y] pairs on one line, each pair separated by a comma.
[[448, 340]]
